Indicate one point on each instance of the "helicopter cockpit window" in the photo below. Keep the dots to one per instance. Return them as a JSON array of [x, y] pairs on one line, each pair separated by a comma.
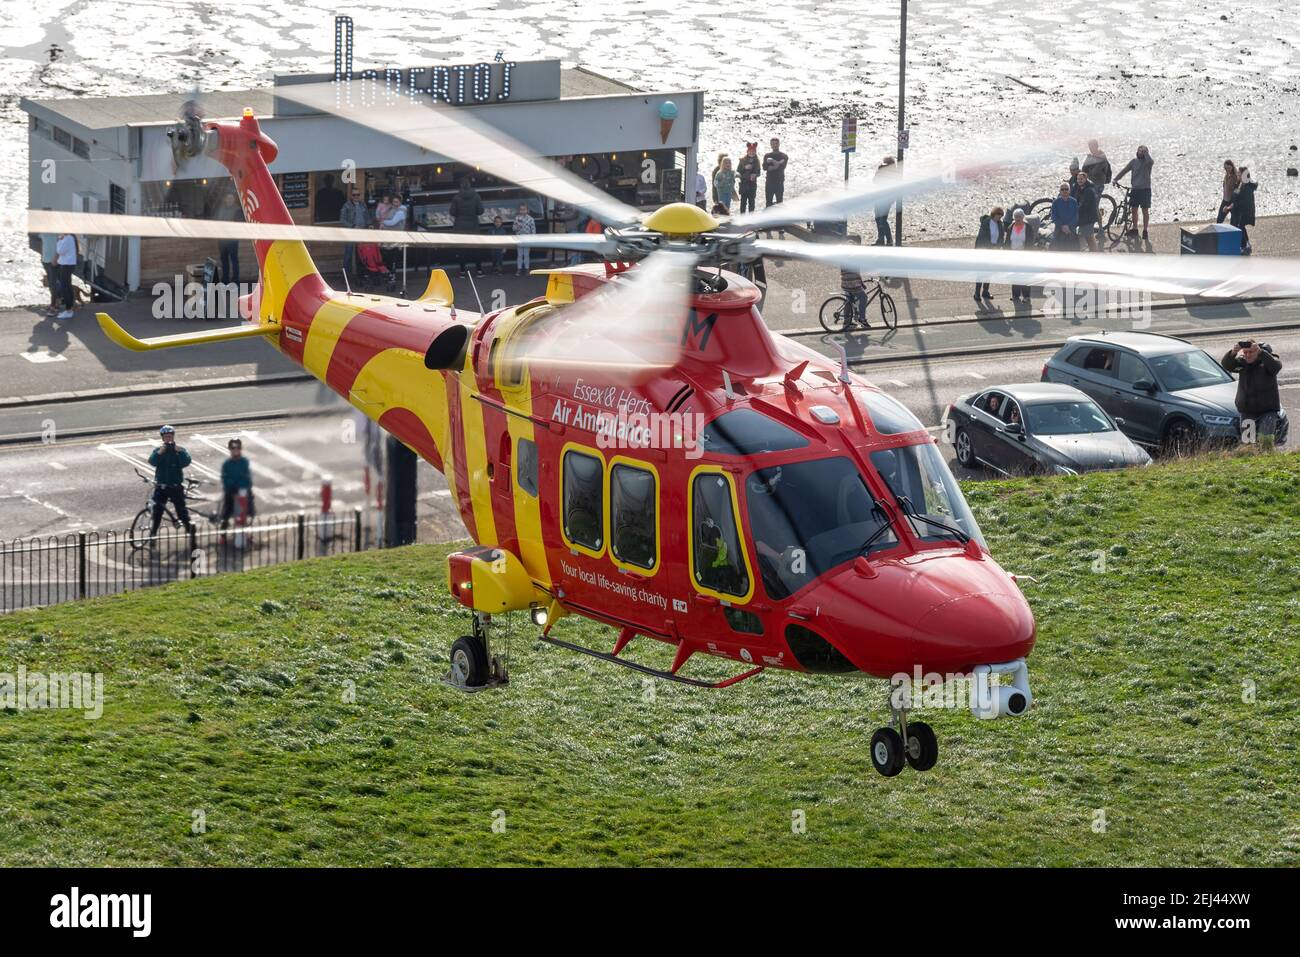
[[810, 517], [918, 475], [633, 522], [719, 562], [584, 502], [746, 432], [526, 466], [888, 415]]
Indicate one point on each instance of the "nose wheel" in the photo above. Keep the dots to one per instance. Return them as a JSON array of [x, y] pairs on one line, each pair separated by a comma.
[[908, 742]]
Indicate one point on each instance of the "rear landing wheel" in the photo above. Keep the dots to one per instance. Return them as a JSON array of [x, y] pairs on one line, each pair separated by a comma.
[[469, 664], [887, 752], [922, 746]]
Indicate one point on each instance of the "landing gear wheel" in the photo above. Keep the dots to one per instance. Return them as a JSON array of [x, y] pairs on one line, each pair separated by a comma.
[[965, 451], [469, 664], [887, 752], [922, 746]]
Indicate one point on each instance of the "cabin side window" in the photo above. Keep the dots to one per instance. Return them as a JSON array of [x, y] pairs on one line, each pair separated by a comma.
[[719, 563], [583, 496], [633, 515], [526, 466]]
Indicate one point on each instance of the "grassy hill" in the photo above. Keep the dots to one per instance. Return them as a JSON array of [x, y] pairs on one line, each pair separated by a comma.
[[228, 696]]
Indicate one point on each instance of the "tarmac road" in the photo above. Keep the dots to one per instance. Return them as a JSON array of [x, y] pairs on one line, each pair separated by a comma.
[[89, 482]]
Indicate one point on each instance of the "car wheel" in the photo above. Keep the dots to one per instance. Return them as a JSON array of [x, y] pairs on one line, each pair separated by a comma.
[[965, 451], [1180, 438]]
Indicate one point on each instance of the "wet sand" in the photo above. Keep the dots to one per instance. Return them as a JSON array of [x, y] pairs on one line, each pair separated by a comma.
[[1196, 82]]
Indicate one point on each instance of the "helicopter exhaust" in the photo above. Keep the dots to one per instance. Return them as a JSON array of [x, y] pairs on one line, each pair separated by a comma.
[[995, 700]]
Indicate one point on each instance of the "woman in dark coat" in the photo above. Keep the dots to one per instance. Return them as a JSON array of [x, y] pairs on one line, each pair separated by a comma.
[[1243, 207], [992, 234]]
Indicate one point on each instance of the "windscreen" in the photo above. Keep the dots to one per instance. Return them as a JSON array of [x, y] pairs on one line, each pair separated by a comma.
[[1187, 370], [810, 517], [919, 480], [1066, 418]]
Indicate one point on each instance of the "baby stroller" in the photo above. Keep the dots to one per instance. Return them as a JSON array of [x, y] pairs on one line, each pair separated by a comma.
[[372, 265]]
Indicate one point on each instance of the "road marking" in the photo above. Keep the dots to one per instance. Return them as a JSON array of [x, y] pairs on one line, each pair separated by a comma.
[[257, 467], [897, 382], [976, 375], [58, 466], [293, 458], [43, 355], [116, 450]]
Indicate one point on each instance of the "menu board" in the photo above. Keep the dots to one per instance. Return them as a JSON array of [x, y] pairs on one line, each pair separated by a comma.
[[296, 190]]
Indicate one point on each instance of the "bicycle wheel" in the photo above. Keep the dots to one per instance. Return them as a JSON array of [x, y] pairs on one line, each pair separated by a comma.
[[1108, 212], [139, 534], [1042, 208], [836, 314], [887, 311]]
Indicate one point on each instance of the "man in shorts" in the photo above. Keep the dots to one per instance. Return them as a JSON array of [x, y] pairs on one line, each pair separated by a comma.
[[1139, 196]]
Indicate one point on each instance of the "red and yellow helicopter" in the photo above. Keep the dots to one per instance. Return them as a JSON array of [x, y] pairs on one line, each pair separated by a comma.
[[636, 446]]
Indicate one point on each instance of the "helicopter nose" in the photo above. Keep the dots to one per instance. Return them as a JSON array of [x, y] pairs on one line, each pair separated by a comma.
[[974, 629]]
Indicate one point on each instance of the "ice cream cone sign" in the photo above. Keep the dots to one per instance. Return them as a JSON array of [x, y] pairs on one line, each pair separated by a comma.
[[667, 113]]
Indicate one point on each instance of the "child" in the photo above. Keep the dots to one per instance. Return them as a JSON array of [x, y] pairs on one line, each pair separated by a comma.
[[498, 254], [524, 225]]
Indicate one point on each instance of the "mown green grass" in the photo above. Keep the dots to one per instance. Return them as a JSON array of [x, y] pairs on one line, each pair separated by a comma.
[[227, 696]]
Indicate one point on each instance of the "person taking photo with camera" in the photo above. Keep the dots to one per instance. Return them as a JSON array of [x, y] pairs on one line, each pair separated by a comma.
[[1258, 401], [169, 462]]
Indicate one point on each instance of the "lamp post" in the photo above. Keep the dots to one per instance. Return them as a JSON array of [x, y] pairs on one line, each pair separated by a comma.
[[902, 134]]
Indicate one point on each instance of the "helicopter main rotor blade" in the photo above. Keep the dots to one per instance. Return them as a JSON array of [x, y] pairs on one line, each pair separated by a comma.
[[837, 203], [105, 224], [634, 322], [1174, 275], [457, 135]]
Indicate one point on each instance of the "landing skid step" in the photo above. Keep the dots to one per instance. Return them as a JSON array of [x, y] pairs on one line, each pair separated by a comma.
[[646, 669]]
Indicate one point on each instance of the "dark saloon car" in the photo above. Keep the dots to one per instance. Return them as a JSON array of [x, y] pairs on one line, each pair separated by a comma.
[[1037, 427], [1162, 392]]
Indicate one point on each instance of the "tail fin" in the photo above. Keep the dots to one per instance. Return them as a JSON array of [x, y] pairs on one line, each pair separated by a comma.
[[245, 151]]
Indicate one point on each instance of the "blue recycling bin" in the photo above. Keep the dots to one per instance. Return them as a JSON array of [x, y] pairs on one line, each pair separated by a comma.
[[1213, 239]]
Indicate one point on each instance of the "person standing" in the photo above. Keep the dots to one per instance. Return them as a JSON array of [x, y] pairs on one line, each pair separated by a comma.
[[236, 477], [701, 189], [50, 263], [169, 462], [1139, 196], [353, 215], [1258, 400], [774, 164], [393, 221], [65, 255], [466, 208], [990, 236], [524, 225], [748, 171], [1231, 179], [1243, 207], [724, 184], [1021, 236], [1096, 165], [499, 228], [228, 249], [717, 166], [885, 174], [1089, 210], [1065, 219], [329, 201]]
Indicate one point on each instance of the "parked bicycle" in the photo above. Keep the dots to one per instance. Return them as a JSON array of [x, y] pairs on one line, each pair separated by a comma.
[[1125, 224], [839, 312], [140, 527]]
